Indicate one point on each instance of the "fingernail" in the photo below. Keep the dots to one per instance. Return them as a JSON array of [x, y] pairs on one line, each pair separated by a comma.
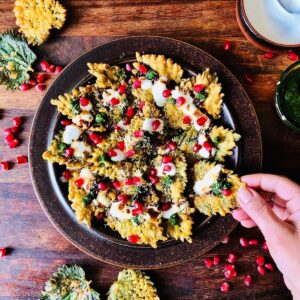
[[245, 195]]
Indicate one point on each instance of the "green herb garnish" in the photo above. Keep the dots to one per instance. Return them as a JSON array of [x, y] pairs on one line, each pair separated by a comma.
[[174, 219], [171, 100], [136, 220], [201, 96], [101, 118], [75, 107], [167, 180], [62, 147], [216, 140], [151, 74], [219, 186]]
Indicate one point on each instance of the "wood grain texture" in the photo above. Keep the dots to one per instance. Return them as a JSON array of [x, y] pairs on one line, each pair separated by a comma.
[[37, 249]]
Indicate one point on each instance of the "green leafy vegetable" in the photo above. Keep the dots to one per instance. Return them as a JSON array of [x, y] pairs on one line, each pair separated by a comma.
[[69, 283], [62, 147], [16, 59], [171, 100], [216, 140], [75, 107], [174, 219], [201, 96], [136, 220], [101, 118], [220, 185], [167, 180], [151, 74]]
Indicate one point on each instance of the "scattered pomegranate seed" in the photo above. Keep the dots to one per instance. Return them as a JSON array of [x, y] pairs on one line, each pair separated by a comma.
[[139, 207], [226, 239], [128, 181], [166, 93], [152, 171], [4, 165], [102, 186], [79, 182], [230, 274], [130, 153], [171, 146], [24, 87], [253, 242], [50, 69], [142, 104], [3, 252], [198, 88], [129, 67], [224, 287], [58, 69], [95, 138], [208, 262], [133, 238], [207, 145], [13, 144], [186, 120], [292, 55], [180, 101], [155, 124], [216, 260], [126, 121], [201, 121], [123, 198], [121, 146], [249, 79], [229, 267], [137, 84], [269, 55], [100, 216], [130, 112], [32, 82], [9, 138], [117, 184], [117, 127], [138, 133], [40, 78], [226, 192], [122, 89], [261, 270], [65, 122], [196, 148], [84, 101], [167, 168], [66, 174], [248, 280], [244, 242], [11, 130], [166, 206], [260, 260], [153, 179], [265, 246], [69, 152], [136, 180], [143, 69], [39, 87], [44, 65], [227, 45], [114, 101], [167, 159], [231, 258], [22, 160], [269, 266], [112, 153]]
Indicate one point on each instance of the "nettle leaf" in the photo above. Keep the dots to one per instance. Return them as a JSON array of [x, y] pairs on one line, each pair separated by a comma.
[[16, 59]]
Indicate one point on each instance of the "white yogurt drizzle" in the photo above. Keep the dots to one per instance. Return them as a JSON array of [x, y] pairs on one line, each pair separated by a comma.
[[147, 125], [161, 172], [88, 107], [119, 157], [83, 117], [87, 176], [80, 148], [146, 84], [175, 208], [157, 90], [120, 211], [71, 133], [109, 94], [103, 199], [204, 152], [122, 125]]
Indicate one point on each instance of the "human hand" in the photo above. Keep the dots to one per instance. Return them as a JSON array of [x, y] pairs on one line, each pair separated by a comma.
[[273, 204]]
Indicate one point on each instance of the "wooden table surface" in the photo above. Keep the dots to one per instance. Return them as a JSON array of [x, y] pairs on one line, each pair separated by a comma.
[[36, 248]]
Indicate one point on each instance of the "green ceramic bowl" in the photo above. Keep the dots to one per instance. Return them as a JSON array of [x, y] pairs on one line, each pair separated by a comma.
[[280, 99]]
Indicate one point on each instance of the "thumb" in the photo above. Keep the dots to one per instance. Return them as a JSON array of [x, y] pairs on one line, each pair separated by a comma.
[[260, 212]]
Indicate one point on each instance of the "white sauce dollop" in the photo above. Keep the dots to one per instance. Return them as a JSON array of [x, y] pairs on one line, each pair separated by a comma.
[[87, 176], [120, 211], [122, 125], [80, 148], [157, 91], [83, 116], [119, 157], [175, 208], [147, 125], [71, 133], [161, 172], [109, 94], [88, 107], [103, 199], [146, 84]]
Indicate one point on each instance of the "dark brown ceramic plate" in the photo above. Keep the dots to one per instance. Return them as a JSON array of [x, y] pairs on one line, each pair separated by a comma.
[[100, 242]]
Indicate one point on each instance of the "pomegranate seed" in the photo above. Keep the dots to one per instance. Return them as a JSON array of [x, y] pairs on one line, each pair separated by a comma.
[[143, 70], [217, 260], [137, 84], [24, 87], [114, 101], [197, 147], [229, 267], [79, 182], [7, 131], [126, 121], [180, 101], [130, 112], [244, 242], [138, 133], [153, 179], [32, 82], [201, 121], [142, 104], [231, 258], [269, 266], [167, 159], [136, 180], [208, 262], [166, 206], [226, 192], [167, 168], [230, 274], [65, 122], [226, 239], [22, 160], [152, 171], [66, 174], [260, 260], [186, 120], [207, 145], [58, 69], [100, 216], [84, 101], [198, 88], [95, 138], [4, 165], [166, 93], [171, 146], [121, 146], [14, 129], [117, 184], [40, 78], [253, 242], [102, 186], [248, 280], [117, 127], [39, 87], [13, 144], [265, 246], [69, 152], [269, 55], [224, 287], [123, 198], [133, 238], [112, 153], [139, 207], [249, 79], [9, 138], [44, 65], [50, 69], [261, 270], [155, 124], [227, 45], [129, 67], [292, 56], [130, 153], [3, 252], [122, 89]]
